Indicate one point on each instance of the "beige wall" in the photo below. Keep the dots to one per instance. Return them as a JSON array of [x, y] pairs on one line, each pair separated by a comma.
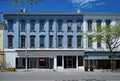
[[1, 44]]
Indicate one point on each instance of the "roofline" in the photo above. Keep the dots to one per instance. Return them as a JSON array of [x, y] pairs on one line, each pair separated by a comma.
[[60, 14]]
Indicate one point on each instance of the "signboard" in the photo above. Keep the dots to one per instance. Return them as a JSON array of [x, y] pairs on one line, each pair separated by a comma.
[[98, 57], [42, 59]]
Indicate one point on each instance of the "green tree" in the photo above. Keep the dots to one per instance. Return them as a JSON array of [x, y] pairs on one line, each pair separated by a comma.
[[17, 2], [110, 35]]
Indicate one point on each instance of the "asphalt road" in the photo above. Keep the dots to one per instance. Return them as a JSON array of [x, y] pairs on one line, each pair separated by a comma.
[[60, 76]]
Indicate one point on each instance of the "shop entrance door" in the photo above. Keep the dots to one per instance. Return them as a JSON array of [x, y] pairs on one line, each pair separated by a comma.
[[33, 63], [70, 62]]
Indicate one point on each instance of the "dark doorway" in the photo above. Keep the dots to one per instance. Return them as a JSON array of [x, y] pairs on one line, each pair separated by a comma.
[[104, 64], [69, 61], [117, 64], [32, 63]]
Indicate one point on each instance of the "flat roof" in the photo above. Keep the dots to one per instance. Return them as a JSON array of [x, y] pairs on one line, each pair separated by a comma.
[[59, 14]]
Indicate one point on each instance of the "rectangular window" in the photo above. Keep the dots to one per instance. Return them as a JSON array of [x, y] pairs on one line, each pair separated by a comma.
[[10, 25], [59, 60], [108, 22], [90, 42], [42, 23], [69, 25], [32, 25], [79, 41], [50, 25], [23, 24], [10, 41], [60, 41], [60, 22], [20, 63], [51, 41], [99, 25], [22, 41], [42, 41], [79, 25], [80, 60], [69, 41], [89, 25], [32, 41], [99, 43]]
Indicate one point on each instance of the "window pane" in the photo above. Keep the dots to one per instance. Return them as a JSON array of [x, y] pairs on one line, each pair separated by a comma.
[[60, 25], [42, 40], [42, 23], [32, 25], [10, 41], [69, 41], [89, 42], [51, 41], [10, 25], [23, 23], [50, 25], [32, 41], [59, 60], [80, 60], [69, 23], [79, 25], [22, 41], [89, 25], [79, 41], [60, 41], [99, 25]]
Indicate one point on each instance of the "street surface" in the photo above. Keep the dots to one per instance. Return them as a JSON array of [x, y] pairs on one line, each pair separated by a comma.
[[62, 75]]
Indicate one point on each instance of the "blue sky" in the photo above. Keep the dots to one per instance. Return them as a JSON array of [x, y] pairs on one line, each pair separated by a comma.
[[65, 6]]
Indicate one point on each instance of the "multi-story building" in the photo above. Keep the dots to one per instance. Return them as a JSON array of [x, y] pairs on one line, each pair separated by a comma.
[[56, 40]]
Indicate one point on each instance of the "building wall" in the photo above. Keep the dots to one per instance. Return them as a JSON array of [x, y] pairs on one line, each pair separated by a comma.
[[1, 44], [17, 51]]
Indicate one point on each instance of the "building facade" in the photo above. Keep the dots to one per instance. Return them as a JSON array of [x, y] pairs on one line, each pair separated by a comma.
[[56, 40]]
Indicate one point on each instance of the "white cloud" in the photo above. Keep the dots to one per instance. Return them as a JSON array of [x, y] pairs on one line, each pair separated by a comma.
[[86, 3]]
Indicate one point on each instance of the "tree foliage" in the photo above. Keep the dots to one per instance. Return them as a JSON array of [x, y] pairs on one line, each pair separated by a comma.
[[110, 35], [18, 2]]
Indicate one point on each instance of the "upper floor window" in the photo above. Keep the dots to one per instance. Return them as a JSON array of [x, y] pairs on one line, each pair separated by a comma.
[[32, 41], [42, 41], [79, 25], [51, 41], [108, 22], [69, 25], [42, 24], [23, 24], [69, 40], [89, 25], [79, 41], [22, 41], [89, 41], [60, 39], [99, 42], [10, 41], [50, 25], [10, 25], [60, 22], [98, 25], [32, 25]]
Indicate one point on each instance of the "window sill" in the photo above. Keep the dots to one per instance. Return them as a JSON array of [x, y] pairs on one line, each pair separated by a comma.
[[32, 31]]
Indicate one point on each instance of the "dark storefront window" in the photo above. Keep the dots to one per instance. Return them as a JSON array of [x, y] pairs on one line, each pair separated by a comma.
[[80, 60], [20, 63], [59, 60]]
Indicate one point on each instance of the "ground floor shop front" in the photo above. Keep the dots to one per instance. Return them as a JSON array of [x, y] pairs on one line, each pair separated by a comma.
[[45, 59], [101, 60], [49, 63]]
